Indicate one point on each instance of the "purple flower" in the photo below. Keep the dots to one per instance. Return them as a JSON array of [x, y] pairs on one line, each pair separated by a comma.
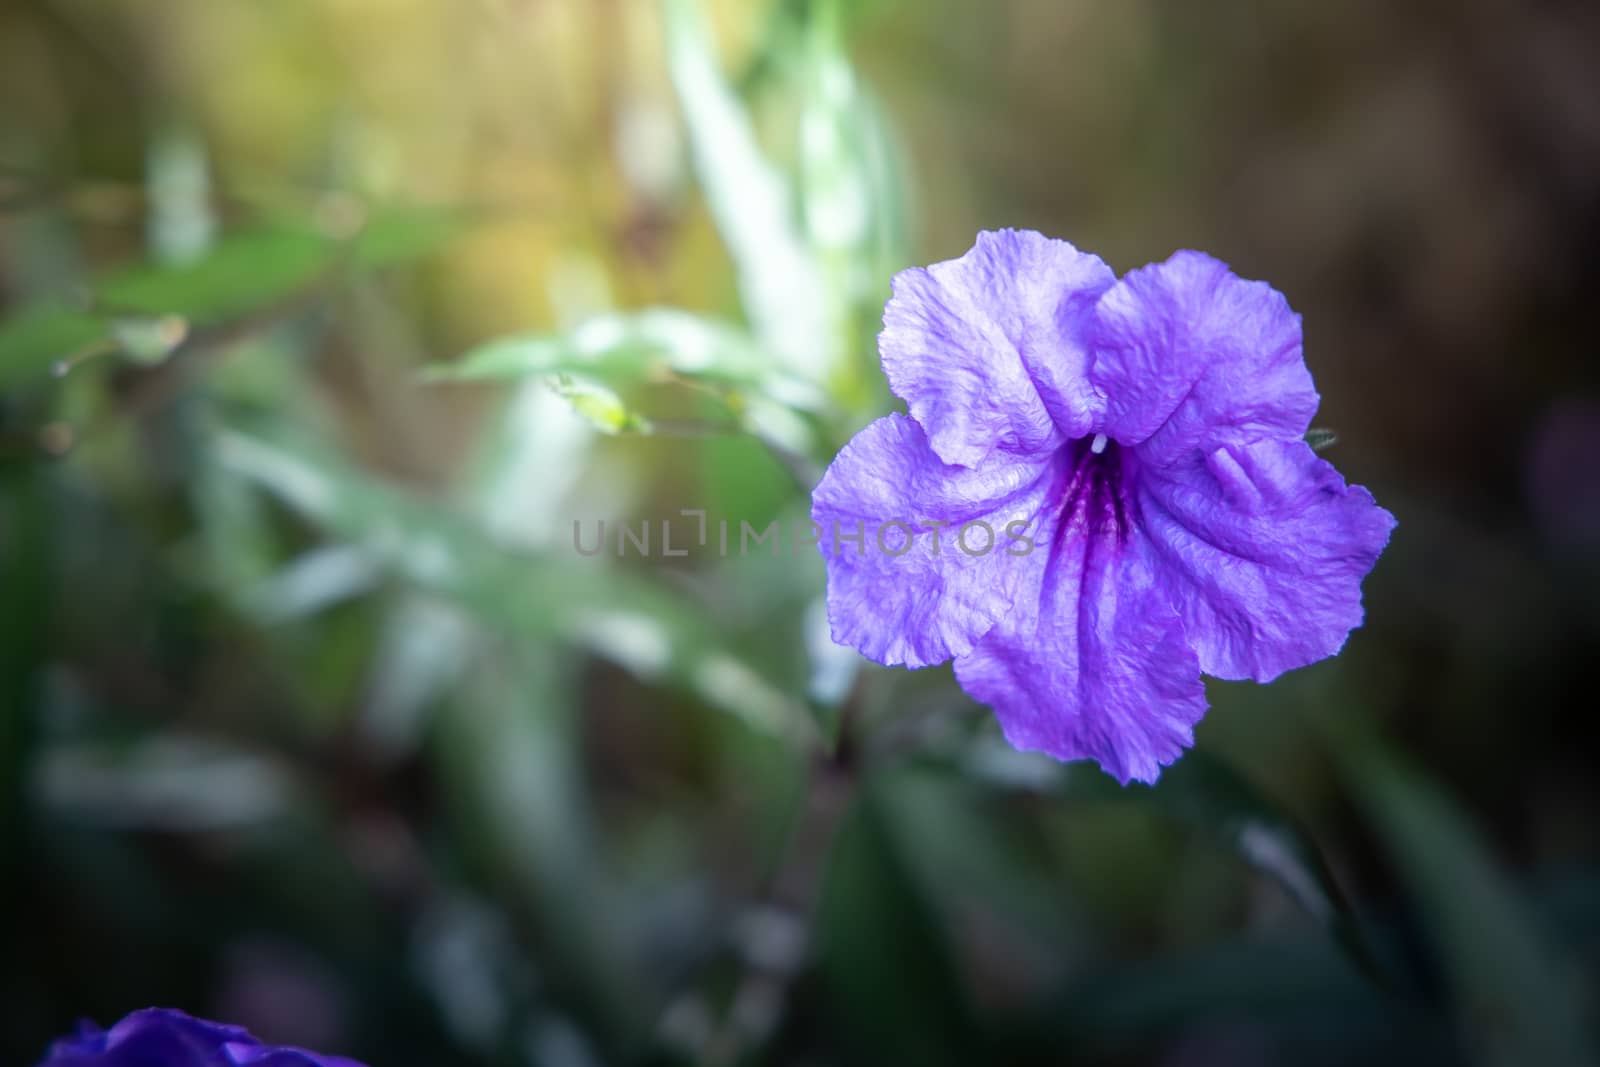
[[1110, 493], [163, 1037]]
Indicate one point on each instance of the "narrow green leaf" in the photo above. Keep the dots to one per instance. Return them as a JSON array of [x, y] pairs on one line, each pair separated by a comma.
[[635, 624], [619, 347], [251, 270], [508, 752], [311, 583], [852, 190], [1320, 439], [138, 309], [753, 205], [44, 336], [1212, 798], [883, 954], [244, 272], [1297, 993], [1208, 797], [168, 782], [1514, 995]]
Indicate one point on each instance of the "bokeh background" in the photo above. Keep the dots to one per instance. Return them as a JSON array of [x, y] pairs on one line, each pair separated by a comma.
[[311, 717]]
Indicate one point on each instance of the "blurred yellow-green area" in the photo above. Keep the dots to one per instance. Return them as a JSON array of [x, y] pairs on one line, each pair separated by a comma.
[[331, 330]]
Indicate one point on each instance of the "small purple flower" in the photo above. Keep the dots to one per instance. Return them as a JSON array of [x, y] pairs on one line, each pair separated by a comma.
[[1127, 458], [164, 1037]]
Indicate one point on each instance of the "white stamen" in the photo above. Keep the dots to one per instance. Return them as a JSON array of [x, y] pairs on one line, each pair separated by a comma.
[[1098, 445]]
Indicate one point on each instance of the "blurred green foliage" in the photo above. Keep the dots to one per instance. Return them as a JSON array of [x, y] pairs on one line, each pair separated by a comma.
[[328, 326]]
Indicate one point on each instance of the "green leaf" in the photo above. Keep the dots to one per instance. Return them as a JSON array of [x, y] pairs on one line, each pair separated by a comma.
[[619, 347], [656, 345], [38, 338], [1296, 993], [311, 583], [400, 234], [1212, 798], [147, 309], [253, 269], [753, 205], [1208, 797], [244, 272], [602, 407], [169, 782], [1515, 996], [635, 624], [1320, 439], [851, 181], [882, 951], [148, 340], [980, 864], [508, 751]]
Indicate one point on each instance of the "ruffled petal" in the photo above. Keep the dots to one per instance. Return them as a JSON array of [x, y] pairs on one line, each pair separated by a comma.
[[1190, 357], [988, 351], [169, 1038], [907, 594], [253, 1055], [1100, 669], [1263, 547], [151, 1035]]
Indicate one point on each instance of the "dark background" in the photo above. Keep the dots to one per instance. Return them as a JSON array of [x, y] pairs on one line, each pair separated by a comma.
[[311, 719]]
